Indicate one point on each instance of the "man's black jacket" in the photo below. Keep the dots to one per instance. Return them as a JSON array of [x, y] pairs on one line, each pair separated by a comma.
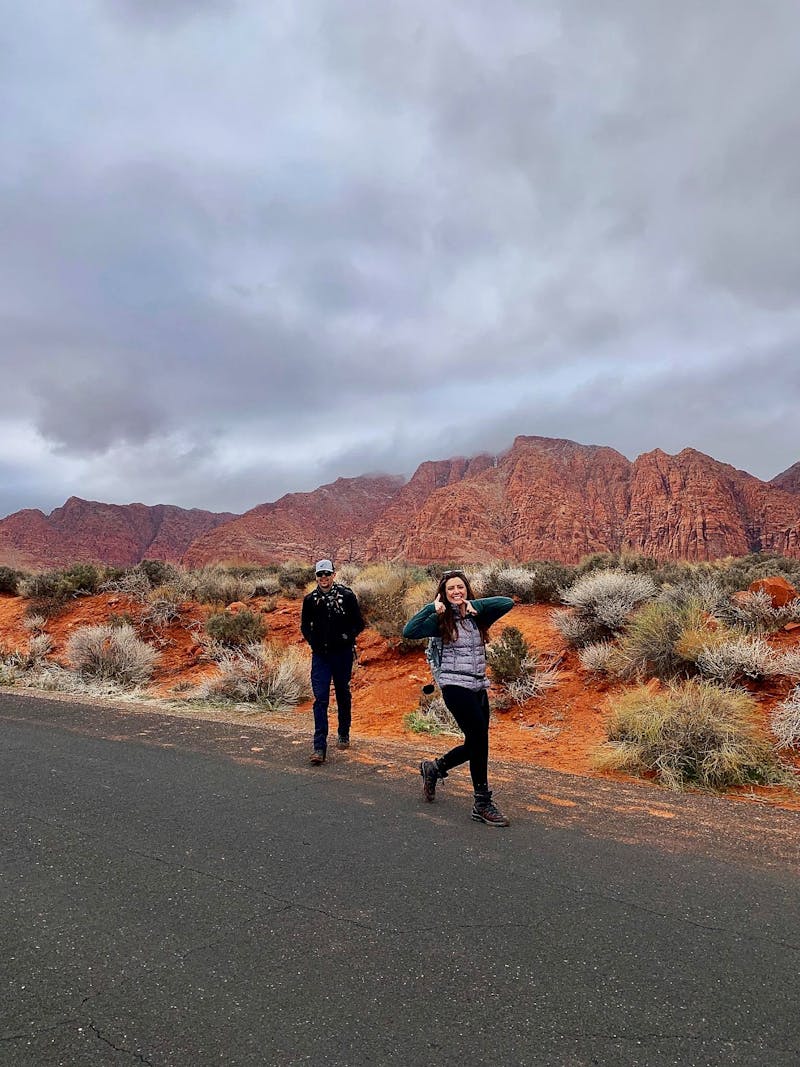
[[332, 621]]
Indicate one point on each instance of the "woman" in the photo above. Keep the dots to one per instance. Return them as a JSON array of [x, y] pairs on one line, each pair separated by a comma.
[[462, 624]]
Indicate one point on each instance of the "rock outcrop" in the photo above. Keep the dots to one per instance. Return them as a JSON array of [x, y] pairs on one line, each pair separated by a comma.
[[333, 521], [86, 531], [542, 499]]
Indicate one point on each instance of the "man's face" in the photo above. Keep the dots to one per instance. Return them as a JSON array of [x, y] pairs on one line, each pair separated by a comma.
[[325, 580]]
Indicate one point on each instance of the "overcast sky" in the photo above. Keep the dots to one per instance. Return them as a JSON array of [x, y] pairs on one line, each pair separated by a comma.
[[251, 246]]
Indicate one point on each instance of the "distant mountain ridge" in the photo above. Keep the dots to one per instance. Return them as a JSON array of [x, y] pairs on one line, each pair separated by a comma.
[[544, 498], [84, 531]]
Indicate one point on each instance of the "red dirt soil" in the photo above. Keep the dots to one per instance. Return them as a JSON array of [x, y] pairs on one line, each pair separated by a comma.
[[557, 730]]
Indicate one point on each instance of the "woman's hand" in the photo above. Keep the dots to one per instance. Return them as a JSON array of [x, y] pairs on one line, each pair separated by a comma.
[[440, 609]]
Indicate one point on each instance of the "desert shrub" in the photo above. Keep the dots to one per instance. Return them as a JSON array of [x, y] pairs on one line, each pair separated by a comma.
[[158, 571], [507, 655], [787, 663], [598, 658], [742, 656], [9, 580], [549, 580], [382, 589], [755, 612], [431, 718], [649, 645], [505, 580], [532, 681], [132, 583], [275, 678], [578, 631], [33, 623], [266, 583], [294, 577], [700, 590], [347, 573], [608, 597], [691, 733], [214, 585], [417, 596], [46, 607], [111, 654], [785, 721], [61, 585], [235, 630], [120, 618], [160, 611], [740, 572]]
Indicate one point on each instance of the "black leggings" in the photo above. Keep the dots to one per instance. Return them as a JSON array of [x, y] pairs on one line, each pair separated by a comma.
[[470, 709]]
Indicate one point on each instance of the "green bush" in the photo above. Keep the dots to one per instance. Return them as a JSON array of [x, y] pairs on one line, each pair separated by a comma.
[[692, 733], [649, 645], [9, 579], [157, 571], [507, 655], [80, 580], [236, 630]]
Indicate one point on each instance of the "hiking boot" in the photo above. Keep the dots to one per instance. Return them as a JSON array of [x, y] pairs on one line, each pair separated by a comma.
[[483, 810], [431, 771], [318, 755], [343, 741]]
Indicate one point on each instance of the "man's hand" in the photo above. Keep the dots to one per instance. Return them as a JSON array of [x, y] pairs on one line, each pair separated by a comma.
[[440, 609], [471, 609]]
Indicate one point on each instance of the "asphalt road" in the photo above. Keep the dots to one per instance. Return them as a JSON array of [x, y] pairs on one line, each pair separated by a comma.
[[182, 893]]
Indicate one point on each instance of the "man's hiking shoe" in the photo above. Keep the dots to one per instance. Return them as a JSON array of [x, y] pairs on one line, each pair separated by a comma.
[[343, 741], [430, 773], [483, 810], [318, 755]]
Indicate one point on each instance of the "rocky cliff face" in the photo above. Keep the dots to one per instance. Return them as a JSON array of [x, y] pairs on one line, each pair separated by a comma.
[[84, 531], [551, 499], [789, 480], [543, 499], [333, 521]]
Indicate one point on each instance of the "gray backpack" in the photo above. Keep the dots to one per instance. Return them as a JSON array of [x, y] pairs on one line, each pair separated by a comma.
[[433, 654]]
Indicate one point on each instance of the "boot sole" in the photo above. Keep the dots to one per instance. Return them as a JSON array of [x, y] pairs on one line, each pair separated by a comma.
[[490, 822]]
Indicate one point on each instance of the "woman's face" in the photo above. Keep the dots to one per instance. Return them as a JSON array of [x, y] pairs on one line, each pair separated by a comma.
[[456, 591]]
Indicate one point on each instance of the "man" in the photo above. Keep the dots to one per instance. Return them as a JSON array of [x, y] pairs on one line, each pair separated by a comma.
[[330, 622]]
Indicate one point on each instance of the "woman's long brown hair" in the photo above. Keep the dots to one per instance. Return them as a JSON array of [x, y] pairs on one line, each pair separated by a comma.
[[447, 621]]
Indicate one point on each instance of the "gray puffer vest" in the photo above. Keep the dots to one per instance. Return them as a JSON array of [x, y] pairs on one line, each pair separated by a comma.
[[464, 660]]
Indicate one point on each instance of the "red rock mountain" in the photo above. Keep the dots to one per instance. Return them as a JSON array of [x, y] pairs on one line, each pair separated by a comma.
[[543, 498], [788, 480], [334, 521], [84, 531]]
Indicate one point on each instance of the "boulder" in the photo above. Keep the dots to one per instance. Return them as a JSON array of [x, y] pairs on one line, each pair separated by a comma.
[[778, 589]]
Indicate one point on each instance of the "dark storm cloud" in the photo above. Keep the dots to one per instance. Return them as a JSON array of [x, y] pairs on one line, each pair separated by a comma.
[[248, 248]]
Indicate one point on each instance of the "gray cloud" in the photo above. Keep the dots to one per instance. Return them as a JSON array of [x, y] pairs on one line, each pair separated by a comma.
[[250, 248]]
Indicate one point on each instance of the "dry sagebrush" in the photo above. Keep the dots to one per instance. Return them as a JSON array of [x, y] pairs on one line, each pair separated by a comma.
[[112, 654], [691, 733], [275, 678]]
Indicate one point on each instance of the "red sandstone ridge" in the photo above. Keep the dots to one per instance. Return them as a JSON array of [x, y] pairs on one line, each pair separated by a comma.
[[84, 531], [542, 499], [333, 521], [789, 480]]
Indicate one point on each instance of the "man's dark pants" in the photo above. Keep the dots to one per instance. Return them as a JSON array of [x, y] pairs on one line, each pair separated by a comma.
[[327, 667]]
